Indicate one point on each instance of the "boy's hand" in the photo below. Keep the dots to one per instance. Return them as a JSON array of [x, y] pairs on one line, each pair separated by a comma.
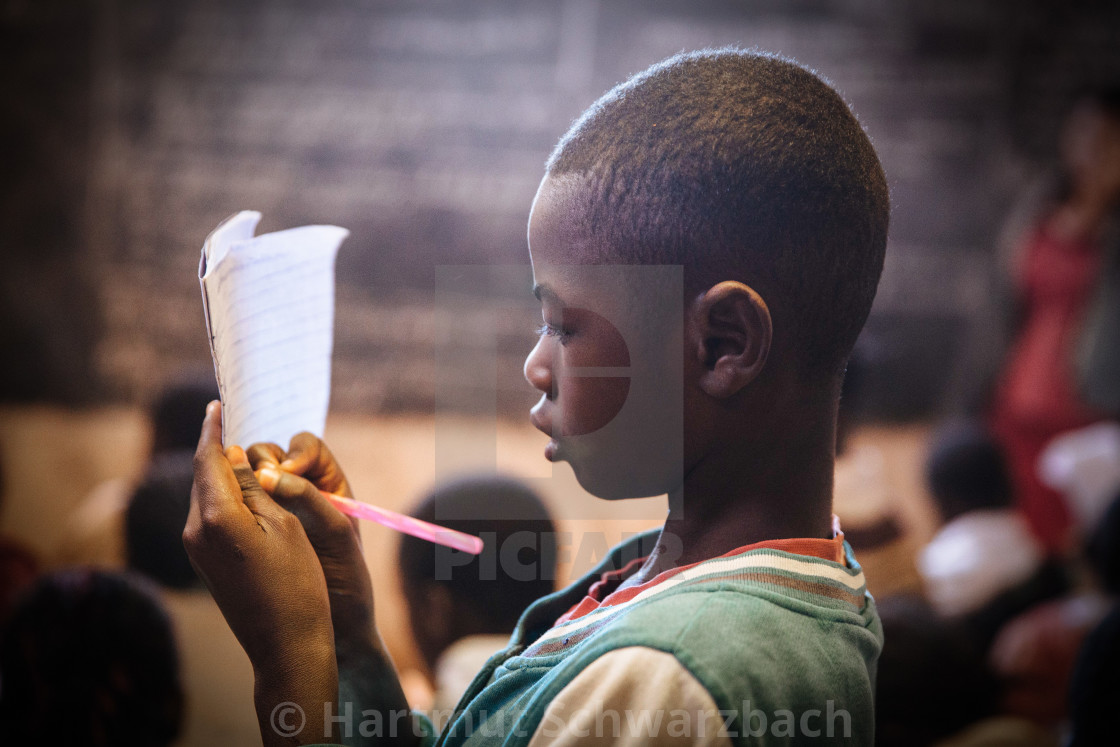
[[264, 574], [308, 457], [367, 679], [294, 480]]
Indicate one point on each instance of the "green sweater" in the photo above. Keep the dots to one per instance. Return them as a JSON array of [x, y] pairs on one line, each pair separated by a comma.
[[759, 647], [785, 645]]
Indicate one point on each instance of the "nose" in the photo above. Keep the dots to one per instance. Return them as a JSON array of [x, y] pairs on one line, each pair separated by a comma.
[[538, 366]]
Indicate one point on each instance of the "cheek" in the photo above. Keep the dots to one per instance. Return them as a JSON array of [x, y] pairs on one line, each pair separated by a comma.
[[589, 403]]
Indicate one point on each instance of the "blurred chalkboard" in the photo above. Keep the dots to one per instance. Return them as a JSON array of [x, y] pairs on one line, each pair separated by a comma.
[[131, 128]]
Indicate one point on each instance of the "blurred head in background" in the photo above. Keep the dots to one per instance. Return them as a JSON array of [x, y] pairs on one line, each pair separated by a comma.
[[89, 658], [966, 471], [176, 413], [452, 595], [984, 566], [1090, 146], [154, 521]]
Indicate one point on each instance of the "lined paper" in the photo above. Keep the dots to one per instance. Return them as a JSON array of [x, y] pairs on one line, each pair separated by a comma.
[[269, 310]]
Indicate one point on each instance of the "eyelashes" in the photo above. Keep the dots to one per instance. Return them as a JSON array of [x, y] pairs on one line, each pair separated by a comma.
[[551, 330]]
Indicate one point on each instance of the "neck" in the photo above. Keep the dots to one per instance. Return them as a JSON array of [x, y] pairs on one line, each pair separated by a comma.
[[773, 484]]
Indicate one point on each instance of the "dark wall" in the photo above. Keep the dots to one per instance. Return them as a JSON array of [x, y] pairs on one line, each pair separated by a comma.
[[48, 304], [130, 129]]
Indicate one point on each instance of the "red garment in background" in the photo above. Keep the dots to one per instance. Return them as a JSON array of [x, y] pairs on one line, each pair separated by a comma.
[[1036, 398]]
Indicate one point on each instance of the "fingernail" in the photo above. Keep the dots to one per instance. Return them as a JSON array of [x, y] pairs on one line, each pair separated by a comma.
[[268, 478], [236, 456], [287, 465], [212, 407]]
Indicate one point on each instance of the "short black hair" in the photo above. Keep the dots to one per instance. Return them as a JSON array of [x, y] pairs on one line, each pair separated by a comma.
[[89, 657], [744, 166], [518, 563], [154, 521], [966, 470], [178, 410]]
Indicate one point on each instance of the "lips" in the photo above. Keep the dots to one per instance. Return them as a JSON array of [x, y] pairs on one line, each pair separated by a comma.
[[541, 419]]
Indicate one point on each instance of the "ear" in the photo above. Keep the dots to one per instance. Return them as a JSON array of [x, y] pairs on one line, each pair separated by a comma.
[[730, 331]]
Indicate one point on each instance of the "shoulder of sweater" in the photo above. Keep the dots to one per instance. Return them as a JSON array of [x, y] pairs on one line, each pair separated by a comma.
[[730, 618]]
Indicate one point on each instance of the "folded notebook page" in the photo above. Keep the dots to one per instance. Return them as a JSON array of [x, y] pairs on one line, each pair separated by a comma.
[[269, 306]]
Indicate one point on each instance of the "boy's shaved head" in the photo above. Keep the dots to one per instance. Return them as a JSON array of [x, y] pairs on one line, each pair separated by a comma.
[[738, 166]]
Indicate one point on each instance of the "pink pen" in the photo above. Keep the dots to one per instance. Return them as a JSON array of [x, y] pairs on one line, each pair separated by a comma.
[[406, 524]]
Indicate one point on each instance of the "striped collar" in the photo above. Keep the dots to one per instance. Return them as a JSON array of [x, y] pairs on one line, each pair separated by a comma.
[[599, 595], [813, 573]]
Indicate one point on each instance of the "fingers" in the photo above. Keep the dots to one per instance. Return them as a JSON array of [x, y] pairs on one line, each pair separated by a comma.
[[309, 457], [324, 524], [304, 454], [263, 455]]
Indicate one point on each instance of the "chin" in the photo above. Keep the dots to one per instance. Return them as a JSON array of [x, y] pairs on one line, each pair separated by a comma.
[[616, 482]]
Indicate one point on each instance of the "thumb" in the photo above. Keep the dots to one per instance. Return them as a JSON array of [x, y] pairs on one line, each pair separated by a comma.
[[256, 498]]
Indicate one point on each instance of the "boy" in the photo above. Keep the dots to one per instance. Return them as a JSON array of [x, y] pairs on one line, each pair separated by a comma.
[[749, 618]]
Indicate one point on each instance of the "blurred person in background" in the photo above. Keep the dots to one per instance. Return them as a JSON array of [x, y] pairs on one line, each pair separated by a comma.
[[984, 565], [217, 678], [1094, 687], [95, 532], [18, 565], [461, 608], [933, 687], [1062, 370], [1084, 467], [1036, 653], [154, 521], [88, 658], [868, 505], [861, 495]]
